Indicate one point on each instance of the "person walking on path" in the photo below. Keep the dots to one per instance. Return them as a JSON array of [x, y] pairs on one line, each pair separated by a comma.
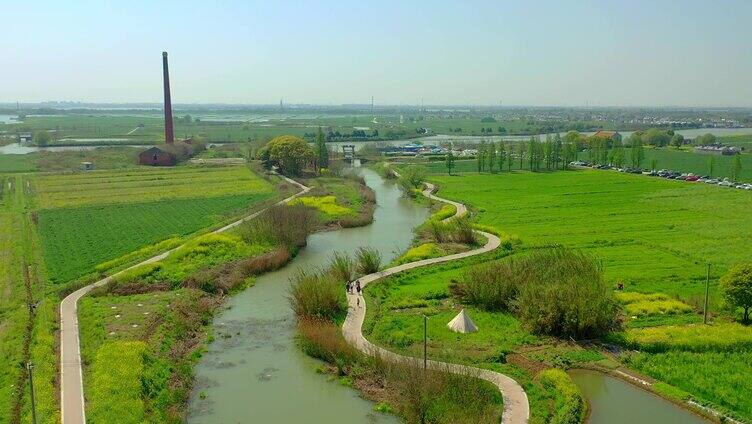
[[357, 286]]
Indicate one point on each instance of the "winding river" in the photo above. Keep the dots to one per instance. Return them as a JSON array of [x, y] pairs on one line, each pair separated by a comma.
[[253, 372]]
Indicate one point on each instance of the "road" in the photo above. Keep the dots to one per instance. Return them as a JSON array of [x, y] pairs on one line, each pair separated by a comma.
[[72, 403]]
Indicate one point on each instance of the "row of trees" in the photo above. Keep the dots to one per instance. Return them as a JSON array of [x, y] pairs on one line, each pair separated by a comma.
[[553, 153]]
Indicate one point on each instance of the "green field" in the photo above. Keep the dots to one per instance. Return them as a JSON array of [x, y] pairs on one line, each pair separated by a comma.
[[631, 222], [654, 235], [89, 218], [148, 127]]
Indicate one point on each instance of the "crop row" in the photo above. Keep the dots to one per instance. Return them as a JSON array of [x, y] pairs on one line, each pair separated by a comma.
[[75, 240]]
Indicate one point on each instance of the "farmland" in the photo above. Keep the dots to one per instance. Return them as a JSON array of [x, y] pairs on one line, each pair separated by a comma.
[[145, 127], [89, 218]]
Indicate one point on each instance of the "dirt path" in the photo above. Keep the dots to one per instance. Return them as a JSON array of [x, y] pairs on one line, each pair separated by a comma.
[[516, 407], [72, 404]]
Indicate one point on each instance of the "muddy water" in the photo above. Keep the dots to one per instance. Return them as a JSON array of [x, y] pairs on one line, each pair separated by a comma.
[[613, 401], [254, 373]]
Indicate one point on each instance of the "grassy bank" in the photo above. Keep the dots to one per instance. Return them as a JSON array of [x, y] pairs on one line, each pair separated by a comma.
[[161, 312], [655, 238]]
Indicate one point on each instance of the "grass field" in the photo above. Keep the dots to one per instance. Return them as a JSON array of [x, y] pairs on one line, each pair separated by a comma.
[[686, 160], [655, 236], [651, 234], [24, 336], [89, 218], [16, 163]]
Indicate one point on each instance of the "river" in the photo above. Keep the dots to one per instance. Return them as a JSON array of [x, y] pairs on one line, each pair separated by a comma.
[[613, 401], [259, 374]]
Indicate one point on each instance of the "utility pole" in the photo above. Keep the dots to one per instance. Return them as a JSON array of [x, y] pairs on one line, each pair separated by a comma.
[[707, 291], [31, 388], [372, 115], [425, 342]]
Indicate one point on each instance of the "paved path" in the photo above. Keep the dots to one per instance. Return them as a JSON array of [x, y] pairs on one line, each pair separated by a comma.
[[72, 409], [516, 407]]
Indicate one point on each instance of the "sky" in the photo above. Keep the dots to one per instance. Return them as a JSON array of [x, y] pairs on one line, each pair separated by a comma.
[[537, 53]]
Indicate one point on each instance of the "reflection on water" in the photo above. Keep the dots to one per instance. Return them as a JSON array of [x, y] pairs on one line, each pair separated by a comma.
[[613, 401], [254, 373]]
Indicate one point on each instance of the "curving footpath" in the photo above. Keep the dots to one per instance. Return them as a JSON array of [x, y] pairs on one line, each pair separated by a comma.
[[72, 405], [516, 407]]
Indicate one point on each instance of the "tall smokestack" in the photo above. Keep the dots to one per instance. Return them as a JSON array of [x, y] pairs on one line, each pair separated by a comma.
[[168, 130]]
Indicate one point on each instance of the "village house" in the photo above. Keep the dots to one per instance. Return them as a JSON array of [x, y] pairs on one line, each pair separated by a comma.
[[154, 156]]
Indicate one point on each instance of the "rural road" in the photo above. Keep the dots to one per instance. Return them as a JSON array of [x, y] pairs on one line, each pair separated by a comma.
[[72, 404], [516, 407]]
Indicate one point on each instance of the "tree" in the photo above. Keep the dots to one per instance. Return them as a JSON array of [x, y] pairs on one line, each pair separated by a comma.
[[481, 156], [492, 158], [677, 141], [736, 167], [557, 150], [502, 156], [521, 153], [322, 152], [705, 140], [548, 152], [737, 288], [711, 165], [637, 153], [290, 154], [617, 154], [41, 138], [654, 164], [656, 137], [449, 161]]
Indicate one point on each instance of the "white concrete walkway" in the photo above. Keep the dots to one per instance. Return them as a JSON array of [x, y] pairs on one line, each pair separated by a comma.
[[72, 404], [516, 407]]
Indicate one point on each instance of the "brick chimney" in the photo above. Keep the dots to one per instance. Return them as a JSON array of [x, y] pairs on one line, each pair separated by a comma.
[[168, 130]]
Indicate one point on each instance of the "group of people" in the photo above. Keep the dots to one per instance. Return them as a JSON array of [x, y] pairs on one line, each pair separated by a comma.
[[354, 287]]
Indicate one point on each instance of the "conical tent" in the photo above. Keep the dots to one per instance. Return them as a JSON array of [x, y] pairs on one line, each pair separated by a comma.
[[462, 323]]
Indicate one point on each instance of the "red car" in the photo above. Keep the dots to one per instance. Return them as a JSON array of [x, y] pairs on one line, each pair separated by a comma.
[[691, 178]]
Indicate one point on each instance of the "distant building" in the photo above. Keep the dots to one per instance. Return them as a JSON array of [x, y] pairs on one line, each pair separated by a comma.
[[609, 135], [25, 138], [718, 149], [155, 156], [87, 166]]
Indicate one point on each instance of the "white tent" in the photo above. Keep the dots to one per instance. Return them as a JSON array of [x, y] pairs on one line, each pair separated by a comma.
[[462, 324]]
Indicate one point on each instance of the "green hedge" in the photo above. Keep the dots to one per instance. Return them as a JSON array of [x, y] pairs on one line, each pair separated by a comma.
[[571, 407]]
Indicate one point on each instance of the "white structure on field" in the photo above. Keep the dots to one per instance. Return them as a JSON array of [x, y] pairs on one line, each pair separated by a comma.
[[462, 324]]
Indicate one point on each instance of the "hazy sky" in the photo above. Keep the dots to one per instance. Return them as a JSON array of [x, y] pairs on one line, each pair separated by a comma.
[[630, 52]]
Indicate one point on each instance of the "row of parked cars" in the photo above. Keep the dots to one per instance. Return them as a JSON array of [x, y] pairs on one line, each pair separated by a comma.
[[670, 175]]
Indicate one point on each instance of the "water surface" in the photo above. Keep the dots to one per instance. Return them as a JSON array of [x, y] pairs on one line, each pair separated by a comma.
[[613, 401], [258, 375]]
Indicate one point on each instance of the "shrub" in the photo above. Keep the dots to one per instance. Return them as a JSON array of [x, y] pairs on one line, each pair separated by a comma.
[[418, 253], [446, 211], [341, 267], [280, 225], [411, 178], [563, 294], [737, 288], [288, 152], [571, 407], [457, 230], [491, 286], [439, 396], [326, 204], [317, 296], [368, 260], [323, 340], [553, 291]]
